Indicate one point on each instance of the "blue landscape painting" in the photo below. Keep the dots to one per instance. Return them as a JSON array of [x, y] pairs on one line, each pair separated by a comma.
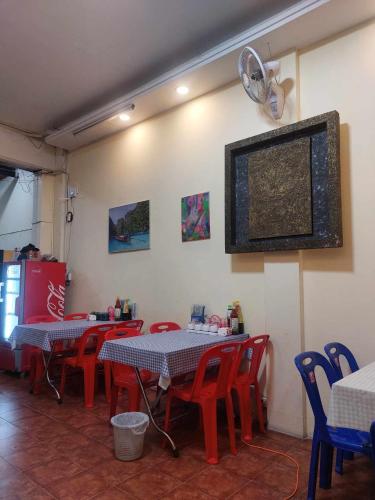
[[129, 227]]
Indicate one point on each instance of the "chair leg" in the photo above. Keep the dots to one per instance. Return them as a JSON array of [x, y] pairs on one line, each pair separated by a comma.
[[89, 381], [62, 380], [245, 412], [38, 373], [230, 418], [134, 397], [313, 469], [107, 380], [167, 413], [326, 458], [210, 430], [114, 398], [339, 468], [258, 399]]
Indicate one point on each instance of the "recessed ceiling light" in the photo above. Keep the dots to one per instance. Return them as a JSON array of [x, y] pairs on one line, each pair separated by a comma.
[[124, 117], [182, 90]]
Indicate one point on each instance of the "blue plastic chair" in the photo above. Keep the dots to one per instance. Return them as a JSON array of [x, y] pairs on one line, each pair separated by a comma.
[[326, 438], [334, 350]]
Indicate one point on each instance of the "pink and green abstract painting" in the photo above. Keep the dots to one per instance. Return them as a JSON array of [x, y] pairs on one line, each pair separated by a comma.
[[195, 217]]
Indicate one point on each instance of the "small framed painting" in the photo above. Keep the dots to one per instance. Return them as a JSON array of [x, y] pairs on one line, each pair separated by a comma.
[[195, 217], [129, 227]]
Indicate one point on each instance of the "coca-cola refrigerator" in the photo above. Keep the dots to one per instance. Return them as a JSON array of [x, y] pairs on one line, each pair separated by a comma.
[[30, 288]]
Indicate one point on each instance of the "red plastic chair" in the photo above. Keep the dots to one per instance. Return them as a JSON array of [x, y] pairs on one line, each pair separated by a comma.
[[86, 360], [123, 375], [206, 391], [164, 326], [246, 375], [75, 316], [131, 323]]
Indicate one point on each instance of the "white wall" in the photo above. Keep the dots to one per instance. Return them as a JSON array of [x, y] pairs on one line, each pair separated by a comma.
[[16, 211], [181, 152]]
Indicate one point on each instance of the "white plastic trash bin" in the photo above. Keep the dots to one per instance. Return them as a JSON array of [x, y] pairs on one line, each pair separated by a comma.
[[129, 432]]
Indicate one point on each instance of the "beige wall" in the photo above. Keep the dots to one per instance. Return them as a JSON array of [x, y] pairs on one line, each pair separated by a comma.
[[326, 294], [339, 284]]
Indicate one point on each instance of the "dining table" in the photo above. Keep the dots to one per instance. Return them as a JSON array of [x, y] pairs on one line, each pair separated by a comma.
[[168, 354], [46, 335], [352, 400]]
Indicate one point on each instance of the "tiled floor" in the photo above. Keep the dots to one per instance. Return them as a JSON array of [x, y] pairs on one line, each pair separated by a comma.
[[65, 452]]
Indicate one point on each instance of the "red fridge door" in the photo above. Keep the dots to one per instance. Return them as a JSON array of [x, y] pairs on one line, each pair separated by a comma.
[[44, 289]]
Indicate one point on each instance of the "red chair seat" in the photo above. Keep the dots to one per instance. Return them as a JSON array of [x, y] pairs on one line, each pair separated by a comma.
[[86, 360], [206, 392], [123, 376], [247, 376]]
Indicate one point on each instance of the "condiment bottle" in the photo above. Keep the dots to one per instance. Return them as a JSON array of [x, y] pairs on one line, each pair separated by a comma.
[[118, 309], [234, 322]]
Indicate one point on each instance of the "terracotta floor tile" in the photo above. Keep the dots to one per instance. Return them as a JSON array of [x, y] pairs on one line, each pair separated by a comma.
[[116, 471], [245, 464], [150, 484], [18, 413], [53, 470], [187, 492], [67, 451], [255, 490], [7, 429], [114, 494], [79, 487], [19, 486], [98, 431], [15, 442], [278, 477], [79, 420], [6, 469], [183, 467], [27, 458], [214, 480]]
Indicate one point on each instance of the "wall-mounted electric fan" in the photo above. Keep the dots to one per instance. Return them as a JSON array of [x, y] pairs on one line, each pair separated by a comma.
[[258, 79]]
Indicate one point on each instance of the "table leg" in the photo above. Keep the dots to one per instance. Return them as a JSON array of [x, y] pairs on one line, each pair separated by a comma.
[[47, 357], [149, 411]]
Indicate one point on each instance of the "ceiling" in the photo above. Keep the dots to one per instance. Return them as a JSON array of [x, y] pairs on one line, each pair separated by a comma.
[[62, 59]]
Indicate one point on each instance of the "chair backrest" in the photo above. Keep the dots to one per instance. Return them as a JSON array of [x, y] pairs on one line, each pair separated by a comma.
[[164, 326], [92, 338], [334, 350], [306, 363], [75, 316], [250, 370], [224, 356], [120, 369], [131, 323], [41, 318]]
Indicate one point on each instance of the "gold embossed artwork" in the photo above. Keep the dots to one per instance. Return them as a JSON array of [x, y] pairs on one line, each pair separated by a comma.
[[280, 190]]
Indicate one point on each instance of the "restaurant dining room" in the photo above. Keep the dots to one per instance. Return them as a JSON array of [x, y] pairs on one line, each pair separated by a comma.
[[187, 276]]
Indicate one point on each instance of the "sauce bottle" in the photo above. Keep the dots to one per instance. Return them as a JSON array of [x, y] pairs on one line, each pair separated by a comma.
[[234, 321]]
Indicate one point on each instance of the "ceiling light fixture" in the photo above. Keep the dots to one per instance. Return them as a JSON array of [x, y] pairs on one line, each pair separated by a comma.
[[96, 121], [182, 90], [124, 117]]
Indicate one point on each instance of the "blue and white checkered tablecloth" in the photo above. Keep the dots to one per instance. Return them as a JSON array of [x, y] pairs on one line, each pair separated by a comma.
[[42, 334], [169, 353]]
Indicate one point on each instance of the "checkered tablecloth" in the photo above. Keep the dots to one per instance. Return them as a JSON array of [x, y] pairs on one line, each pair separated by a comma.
[[352, 401], [169, 353], [42, 334]]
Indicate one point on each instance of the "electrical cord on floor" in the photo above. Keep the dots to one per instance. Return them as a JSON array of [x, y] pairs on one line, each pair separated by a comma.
[[275, 452]]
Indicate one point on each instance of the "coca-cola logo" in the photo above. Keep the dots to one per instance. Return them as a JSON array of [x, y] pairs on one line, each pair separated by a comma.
[[56, 300]]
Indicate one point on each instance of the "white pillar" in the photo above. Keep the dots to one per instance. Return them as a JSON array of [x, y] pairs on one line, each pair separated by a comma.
[[43, 208], [284, 322]]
